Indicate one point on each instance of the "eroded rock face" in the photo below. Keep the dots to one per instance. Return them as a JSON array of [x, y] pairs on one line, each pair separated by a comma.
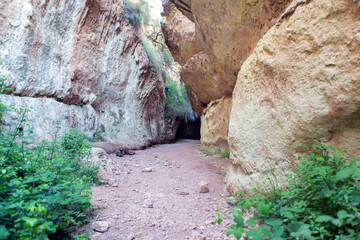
[[200, 77], [230, 30], [84, 55], [44, 112], [180, 35], [196, 104], [185, 7], [215, 124], [303, 71]]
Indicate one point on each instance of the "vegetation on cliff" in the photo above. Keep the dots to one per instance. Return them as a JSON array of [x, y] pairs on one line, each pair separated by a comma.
[[177, 102]]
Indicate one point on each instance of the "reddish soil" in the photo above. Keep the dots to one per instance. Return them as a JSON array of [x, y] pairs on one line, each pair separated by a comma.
[[164, 203]]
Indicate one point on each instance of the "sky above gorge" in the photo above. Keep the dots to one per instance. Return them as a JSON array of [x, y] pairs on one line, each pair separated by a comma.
[[155, 8]]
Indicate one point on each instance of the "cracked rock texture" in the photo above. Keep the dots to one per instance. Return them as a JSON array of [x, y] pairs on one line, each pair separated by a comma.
[[215, 124], [228, 32], [199, 76], [294, 65], [180, 35], [303, 71], [81, 62]]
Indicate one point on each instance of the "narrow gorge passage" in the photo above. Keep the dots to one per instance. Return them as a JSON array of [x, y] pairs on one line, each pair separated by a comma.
[[163, 203]]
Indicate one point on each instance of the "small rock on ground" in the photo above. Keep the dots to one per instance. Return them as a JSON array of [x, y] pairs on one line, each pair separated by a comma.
[[101, 226], [203, 187]]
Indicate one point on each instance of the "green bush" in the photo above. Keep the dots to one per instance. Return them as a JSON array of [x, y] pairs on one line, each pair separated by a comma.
[[177, 103], [44, 190], [73, 140], [321, 201]]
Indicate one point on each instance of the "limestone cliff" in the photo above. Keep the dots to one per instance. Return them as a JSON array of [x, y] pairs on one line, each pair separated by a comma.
[[228, 31], [215, 125], [301, 82], [82, 63], [294, 65]]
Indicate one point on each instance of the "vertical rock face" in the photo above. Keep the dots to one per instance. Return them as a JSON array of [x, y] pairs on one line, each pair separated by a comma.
[[199, 76], [215, 124], [184, 6], [299, 79], [85, 58], [230, 29], [180, 35], [303, 71]]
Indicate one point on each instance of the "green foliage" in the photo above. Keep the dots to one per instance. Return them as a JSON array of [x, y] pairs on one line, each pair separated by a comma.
[[73, 140], [167, 57], [137, 12], [321, 202], [225, 154], [153, 54], [222, 153], [44, 189], [176, 98]]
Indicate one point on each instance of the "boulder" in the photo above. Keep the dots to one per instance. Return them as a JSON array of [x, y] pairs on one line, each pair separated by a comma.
[[301, 82], [180, 36], [230, 30], [215, 124], [203, 187], [100, 226], [201, 78]]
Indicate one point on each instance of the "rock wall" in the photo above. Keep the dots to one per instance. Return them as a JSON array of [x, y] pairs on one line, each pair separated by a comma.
[[230, 29], [228, 32], [294, 65], [180, 36], [215, 125], [81, 62], [301, 82]]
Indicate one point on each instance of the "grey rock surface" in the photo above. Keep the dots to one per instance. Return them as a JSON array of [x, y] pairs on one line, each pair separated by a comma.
[[87, 59]]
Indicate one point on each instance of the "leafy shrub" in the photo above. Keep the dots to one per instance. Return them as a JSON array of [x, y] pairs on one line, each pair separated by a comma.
[[177, 103], [44, 190], [73, 140], [321, 202]]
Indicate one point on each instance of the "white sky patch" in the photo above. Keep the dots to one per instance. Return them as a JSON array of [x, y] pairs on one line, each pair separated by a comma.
[[155, 8]]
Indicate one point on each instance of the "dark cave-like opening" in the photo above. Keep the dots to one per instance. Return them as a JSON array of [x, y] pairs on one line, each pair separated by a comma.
[[188, 130]]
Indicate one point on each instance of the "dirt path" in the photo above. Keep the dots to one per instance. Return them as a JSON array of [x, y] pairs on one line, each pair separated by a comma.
[[163, 203]]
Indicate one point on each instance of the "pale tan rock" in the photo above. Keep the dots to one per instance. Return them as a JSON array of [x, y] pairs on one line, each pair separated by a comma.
[[100, 226], [301, 82], [215, 124], [180, 36], [201, 78], [149, 169], [112, 182], [230, 30], [203, 187]]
